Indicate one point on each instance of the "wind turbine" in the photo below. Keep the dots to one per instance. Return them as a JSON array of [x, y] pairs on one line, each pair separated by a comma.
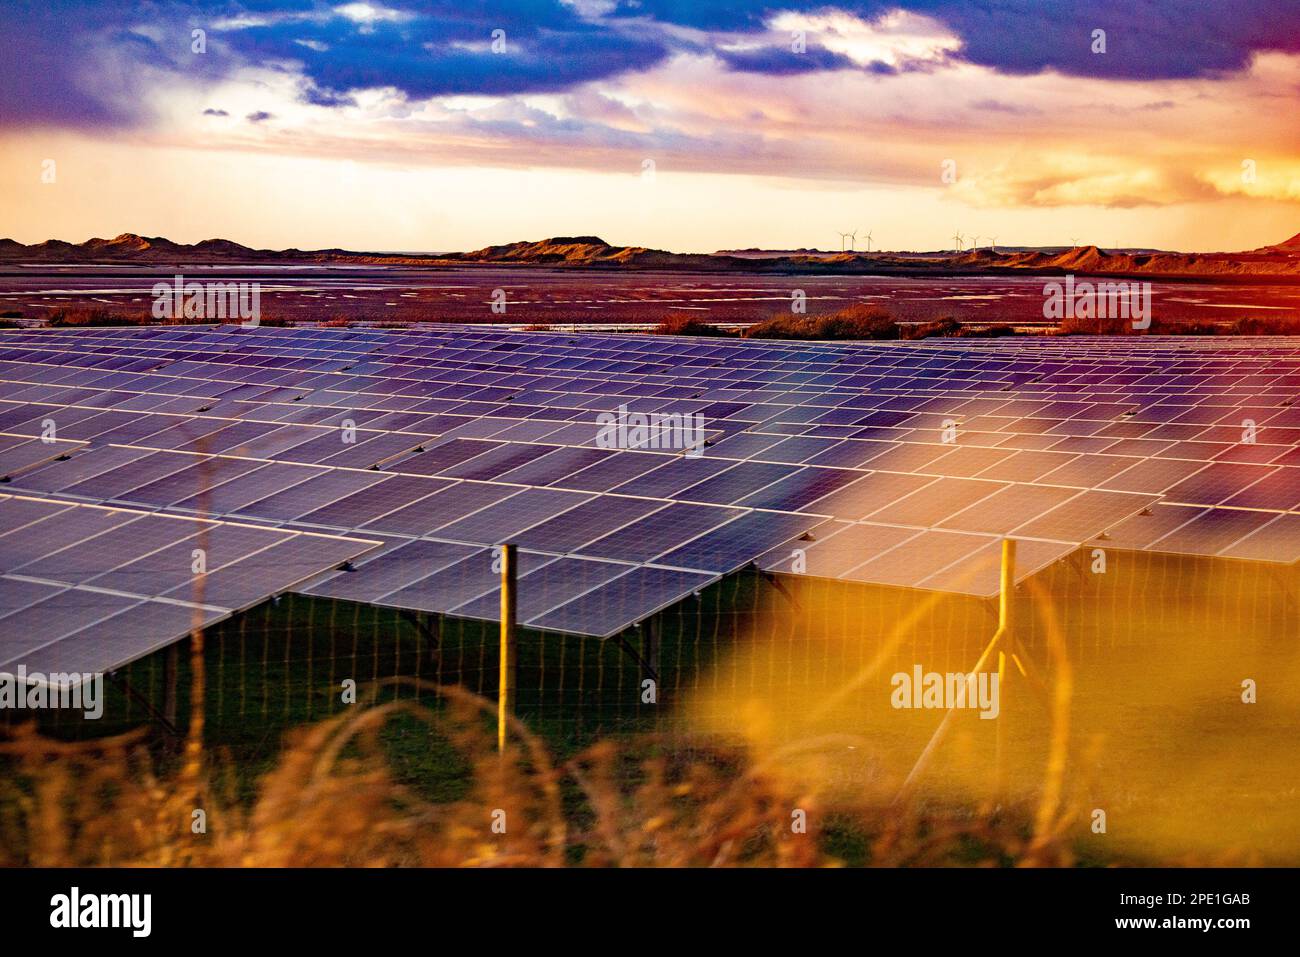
[[868, 240], [957, 239], [995, 243], [1075, 241], [976, 243]]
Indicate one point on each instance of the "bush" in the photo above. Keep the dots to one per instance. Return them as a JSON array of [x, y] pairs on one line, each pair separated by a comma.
[[1249, 326], [91, 316], [1266, 326], [679, 325], [858, 321], [989, 332], [1094, 326], [947, 326]]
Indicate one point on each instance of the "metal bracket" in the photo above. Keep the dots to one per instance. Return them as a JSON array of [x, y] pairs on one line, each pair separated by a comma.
[[144, 702]]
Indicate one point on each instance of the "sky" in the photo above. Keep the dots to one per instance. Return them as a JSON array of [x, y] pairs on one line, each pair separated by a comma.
[[674, 124]]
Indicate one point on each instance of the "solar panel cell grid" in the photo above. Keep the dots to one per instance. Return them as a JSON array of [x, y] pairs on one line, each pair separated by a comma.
[[1134, 422], [621, 602], [325, 487], [53, 618], [463, 581], [392, 570], [646, 538], [120, 638]]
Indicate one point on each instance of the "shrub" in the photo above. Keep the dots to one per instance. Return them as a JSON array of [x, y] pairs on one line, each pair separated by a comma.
[[947, 326], [989, 332], [858, 321], [1266, 326], [1094, 326], [91, 316], [679, 325]]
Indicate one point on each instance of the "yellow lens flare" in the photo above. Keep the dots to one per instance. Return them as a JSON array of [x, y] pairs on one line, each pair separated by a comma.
[[1149, 715]]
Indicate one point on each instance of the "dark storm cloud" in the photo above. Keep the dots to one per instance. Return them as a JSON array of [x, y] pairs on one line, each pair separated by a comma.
[[782, 61], [444, 48], [72, 62], [1145, 39]]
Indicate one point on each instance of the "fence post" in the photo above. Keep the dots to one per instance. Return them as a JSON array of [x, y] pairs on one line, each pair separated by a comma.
[[1006, 621], [1006, 628], [509, 660]]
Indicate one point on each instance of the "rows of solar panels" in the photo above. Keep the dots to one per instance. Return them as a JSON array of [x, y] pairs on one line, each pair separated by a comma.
[[162, 476]]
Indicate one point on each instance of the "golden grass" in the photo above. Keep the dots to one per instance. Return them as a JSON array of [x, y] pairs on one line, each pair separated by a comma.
[[332, 800]]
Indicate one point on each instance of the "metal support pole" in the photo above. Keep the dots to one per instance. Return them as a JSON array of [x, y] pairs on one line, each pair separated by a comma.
[[120, 680], [1006, 622], [509, 661], [171, 665], [1006, 628], [1006, 603], [779, 586], [650, 647], [429, 628]]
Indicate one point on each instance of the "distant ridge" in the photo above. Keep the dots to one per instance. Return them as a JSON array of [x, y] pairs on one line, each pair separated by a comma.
[[1281, 260], [1289, 247]]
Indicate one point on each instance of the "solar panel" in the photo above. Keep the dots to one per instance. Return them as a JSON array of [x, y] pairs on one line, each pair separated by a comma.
[[936, 502], [79, 466], [393, 570], [659, 532], [466, 438], [801, 489], [624, 601], [18, 593], [120, 638], [279, 567], [57, 531], [586, 522], [325, 487], [545, 588], [735, 544], [737, 482], [18, 453], [458, 583], [502, 521], [20, 512], [373, 502], [52, 618]]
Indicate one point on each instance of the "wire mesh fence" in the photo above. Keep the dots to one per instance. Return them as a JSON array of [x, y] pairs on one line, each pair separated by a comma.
[[288, 660], [1121, 694]]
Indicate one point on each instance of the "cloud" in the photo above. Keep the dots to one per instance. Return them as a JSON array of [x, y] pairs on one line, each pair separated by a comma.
[[991, 105], [782, 61], [58, 50], [1072, 180], [1173, 39], [449, 48], [1272, 179], [881, 89]]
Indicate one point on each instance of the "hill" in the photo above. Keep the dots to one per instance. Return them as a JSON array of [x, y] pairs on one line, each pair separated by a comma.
[[1279, 261]]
